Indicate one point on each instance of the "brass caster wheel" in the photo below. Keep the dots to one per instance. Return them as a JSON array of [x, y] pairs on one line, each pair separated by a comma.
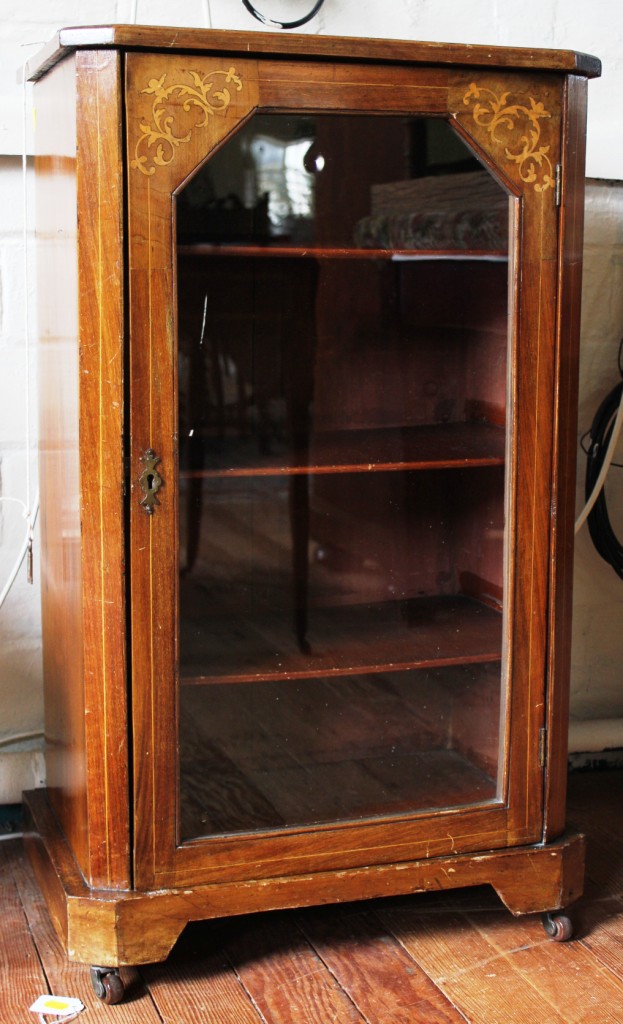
[[107, 985], [558, 926]]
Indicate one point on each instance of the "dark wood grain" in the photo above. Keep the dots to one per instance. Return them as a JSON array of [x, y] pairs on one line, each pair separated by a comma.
[[82, 440], [198, 985], [152, 425], [142, 37], [411, 90], [384, 981], [565, 448], [288, 980], [64, 977], [59, 458], [534, 375], [462, 953], [444, 554], [336, 749], [490, 968], [444, 446], [319, 253], [133, 928], [422, 633], [23, 979], [102, 330]]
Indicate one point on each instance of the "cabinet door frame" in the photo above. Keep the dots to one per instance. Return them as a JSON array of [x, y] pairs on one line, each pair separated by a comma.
[[178, 109]]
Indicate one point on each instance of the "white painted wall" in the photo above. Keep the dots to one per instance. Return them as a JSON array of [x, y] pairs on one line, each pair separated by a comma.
[[596, 28]]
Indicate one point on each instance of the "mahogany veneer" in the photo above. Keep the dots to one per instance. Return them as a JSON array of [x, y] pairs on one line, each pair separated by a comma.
[[306, 605]]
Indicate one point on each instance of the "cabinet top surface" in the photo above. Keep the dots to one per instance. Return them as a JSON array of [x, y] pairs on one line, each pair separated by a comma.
[[287, 45]]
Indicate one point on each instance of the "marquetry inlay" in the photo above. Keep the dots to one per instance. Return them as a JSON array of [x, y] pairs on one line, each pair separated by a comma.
[[516, 128], [201, 97]]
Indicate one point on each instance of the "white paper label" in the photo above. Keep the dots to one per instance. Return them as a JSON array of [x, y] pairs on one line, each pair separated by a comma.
[[60, 1006]]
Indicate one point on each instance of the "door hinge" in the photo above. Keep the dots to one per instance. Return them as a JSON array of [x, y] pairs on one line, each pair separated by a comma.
[[542, 748], [558, 184]]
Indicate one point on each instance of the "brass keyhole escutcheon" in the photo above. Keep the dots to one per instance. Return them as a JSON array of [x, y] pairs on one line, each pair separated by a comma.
[[150, 481]]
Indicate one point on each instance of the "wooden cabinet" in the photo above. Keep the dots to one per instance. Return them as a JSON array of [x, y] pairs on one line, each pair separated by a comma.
[[309, 325]]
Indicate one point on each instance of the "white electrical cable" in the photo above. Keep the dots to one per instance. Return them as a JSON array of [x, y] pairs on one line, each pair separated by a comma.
[[133, 7], [26, 279], [29, 509], [32, 518], [601, 479], [21, 737]]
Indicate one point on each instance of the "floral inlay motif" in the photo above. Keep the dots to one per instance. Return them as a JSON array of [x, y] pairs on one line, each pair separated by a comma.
[[516, 127], [200, 96]]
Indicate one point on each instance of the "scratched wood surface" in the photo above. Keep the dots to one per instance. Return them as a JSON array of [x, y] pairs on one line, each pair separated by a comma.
[[125, 189], [442, 958]]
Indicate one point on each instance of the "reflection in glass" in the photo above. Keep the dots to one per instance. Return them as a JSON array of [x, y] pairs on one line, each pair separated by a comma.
[[342, 335]]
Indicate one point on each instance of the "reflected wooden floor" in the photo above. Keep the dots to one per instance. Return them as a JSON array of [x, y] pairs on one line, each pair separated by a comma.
[[437, 958], [300, 752]]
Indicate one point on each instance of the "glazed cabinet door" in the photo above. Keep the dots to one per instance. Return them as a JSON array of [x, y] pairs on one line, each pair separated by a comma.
[[342, 447]]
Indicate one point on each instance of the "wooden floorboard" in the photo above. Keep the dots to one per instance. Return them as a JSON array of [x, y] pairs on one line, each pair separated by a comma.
[[435, 958], [67, 979], [197, 984], [22, 978]]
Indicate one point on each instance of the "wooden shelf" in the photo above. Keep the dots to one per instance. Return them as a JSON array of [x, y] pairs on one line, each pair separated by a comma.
[[440, 446], [336, 253], [391, 637]]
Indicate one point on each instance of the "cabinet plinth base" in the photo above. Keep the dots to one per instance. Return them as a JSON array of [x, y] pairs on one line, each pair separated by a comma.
[[129, 927]]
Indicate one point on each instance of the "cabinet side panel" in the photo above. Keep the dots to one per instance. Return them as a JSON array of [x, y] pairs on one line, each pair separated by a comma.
[[61, 585], [565, 451], [101, 305]]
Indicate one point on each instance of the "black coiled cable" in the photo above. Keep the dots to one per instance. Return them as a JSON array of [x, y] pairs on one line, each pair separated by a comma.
[[283, 24], [599, 525]]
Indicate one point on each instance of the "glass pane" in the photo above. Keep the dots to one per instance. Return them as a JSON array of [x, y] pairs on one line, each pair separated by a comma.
[[343, 338]]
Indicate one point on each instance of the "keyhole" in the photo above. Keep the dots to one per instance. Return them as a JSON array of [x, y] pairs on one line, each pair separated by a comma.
[[150, 480]]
